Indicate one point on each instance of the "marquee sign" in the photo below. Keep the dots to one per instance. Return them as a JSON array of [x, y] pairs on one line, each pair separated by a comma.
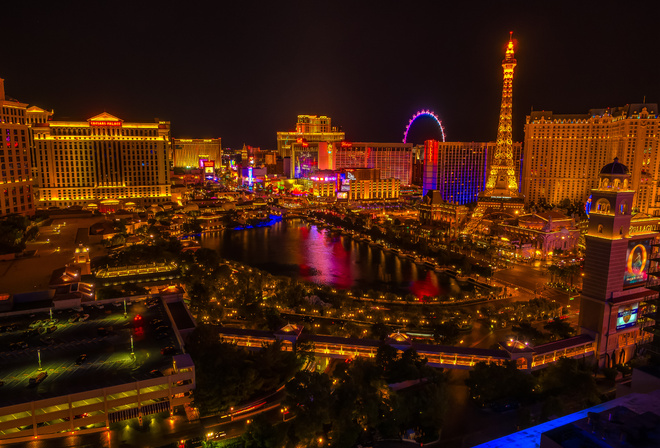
[[105, 123]]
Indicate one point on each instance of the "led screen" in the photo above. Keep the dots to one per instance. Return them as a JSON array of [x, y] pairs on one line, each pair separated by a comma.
[[637, 263], [627, 316]]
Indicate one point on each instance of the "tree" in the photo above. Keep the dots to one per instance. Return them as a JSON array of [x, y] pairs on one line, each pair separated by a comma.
[[525, 332], [559, 328], [569, 378], [308, 398], [261, 433], [491, 382]]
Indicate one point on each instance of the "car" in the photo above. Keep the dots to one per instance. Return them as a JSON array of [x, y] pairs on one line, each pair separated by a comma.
[[117, 304], [156, 322], [30, 333], [104, 331], [51, 328], [162, 328], [155, 373], [81, 359], [74, 318], [168, 350], [54, 321], [37, 379], [99, 306], [78, 309], [22, 345], [162, 335], [35, 324], [84, 317]]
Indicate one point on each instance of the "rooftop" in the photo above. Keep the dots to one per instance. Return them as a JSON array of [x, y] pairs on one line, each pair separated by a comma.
[[104, 335]]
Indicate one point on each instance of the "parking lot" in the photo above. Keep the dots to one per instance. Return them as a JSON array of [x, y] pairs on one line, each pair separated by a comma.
[[104, 335]]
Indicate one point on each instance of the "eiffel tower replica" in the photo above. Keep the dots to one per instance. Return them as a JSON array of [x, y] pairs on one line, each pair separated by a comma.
[[501, 199]]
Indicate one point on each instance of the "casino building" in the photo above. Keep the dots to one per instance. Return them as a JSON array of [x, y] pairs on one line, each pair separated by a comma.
[[193, 152], [15, 167], [103, 163], [615, 301]]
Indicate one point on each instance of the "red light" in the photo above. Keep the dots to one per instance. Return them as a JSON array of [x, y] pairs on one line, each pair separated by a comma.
[[137, 318]]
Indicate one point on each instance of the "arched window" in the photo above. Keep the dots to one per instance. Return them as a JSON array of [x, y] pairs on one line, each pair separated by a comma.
[[603, 206], [600, 228]]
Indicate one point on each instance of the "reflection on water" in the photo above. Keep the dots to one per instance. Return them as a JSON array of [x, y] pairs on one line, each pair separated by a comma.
[[305, 252]]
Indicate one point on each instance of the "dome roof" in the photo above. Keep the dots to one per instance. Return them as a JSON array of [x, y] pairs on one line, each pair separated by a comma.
[[614, 168]]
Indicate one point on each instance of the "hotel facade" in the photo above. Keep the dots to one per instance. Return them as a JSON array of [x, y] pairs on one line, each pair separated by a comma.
[[394, 160], [15, 164], [458, 170], [563, 153], [192, 152], [103, 163]]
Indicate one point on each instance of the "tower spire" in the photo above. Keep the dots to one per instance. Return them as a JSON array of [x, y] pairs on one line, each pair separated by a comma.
[[502, 175]]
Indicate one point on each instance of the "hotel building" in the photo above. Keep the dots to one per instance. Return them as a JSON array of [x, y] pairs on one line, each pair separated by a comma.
[[459, 170], [313, 134], [563, 153], [15, 163], [192, 152], [368, 185], [394, 160], [615, 299], [103, 162]]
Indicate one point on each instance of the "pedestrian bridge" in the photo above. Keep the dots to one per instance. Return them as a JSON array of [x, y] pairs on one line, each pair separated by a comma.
[[442, 356]]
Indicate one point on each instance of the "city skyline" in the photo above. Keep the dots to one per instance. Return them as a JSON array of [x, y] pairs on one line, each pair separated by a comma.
[[243, 74]]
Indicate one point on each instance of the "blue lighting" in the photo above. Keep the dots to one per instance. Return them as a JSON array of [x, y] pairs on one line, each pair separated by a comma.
[[272, 219]]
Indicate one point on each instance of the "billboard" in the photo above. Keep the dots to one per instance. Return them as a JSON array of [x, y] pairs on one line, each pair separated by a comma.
[[627, 316], [637, 263]]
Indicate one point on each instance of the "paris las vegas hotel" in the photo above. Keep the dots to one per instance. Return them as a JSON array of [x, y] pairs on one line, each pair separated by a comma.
[[101, 163]]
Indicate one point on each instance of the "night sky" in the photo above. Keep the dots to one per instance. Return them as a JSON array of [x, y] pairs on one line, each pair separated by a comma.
[[243, 70]]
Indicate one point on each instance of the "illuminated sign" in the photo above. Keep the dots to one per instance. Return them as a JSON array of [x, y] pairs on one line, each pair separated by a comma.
[[105, 123], [342, 195], [637, 263], [209, 166], [643, 228], [627, 316]]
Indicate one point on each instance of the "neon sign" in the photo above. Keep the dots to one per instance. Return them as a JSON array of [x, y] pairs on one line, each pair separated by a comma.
[[105, 123]]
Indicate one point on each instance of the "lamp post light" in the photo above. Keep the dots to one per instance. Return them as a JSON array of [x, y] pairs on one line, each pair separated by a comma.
[[39, 358], [125, 313], [132, 351]]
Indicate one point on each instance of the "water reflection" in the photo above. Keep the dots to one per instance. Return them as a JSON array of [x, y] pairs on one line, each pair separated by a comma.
[[296, 249]]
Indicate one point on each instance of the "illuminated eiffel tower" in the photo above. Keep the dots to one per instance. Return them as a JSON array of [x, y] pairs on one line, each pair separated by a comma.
[[501, 198]]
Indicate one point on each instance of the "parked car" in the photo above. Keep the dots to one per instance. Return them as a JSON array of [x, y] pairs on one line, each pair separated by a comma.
[[81, 359], [156, 373], [168, 350], [162, 335], [38, 379]]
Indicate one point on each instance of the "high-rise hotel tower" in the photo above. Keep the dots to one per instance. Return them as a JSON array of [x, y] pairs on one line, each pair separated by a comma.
[[563, 153], [103, 163], [15, 171]]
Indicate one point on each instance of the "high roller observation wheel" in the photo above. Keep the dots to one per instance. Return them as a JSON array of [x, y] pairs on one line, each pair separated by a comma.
[[422, 113]]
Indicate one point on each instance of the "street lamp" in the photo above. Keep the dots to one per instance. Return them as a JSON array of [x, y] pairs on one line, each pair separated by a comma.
[[132, 351], [125, 313], [39, 358]]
